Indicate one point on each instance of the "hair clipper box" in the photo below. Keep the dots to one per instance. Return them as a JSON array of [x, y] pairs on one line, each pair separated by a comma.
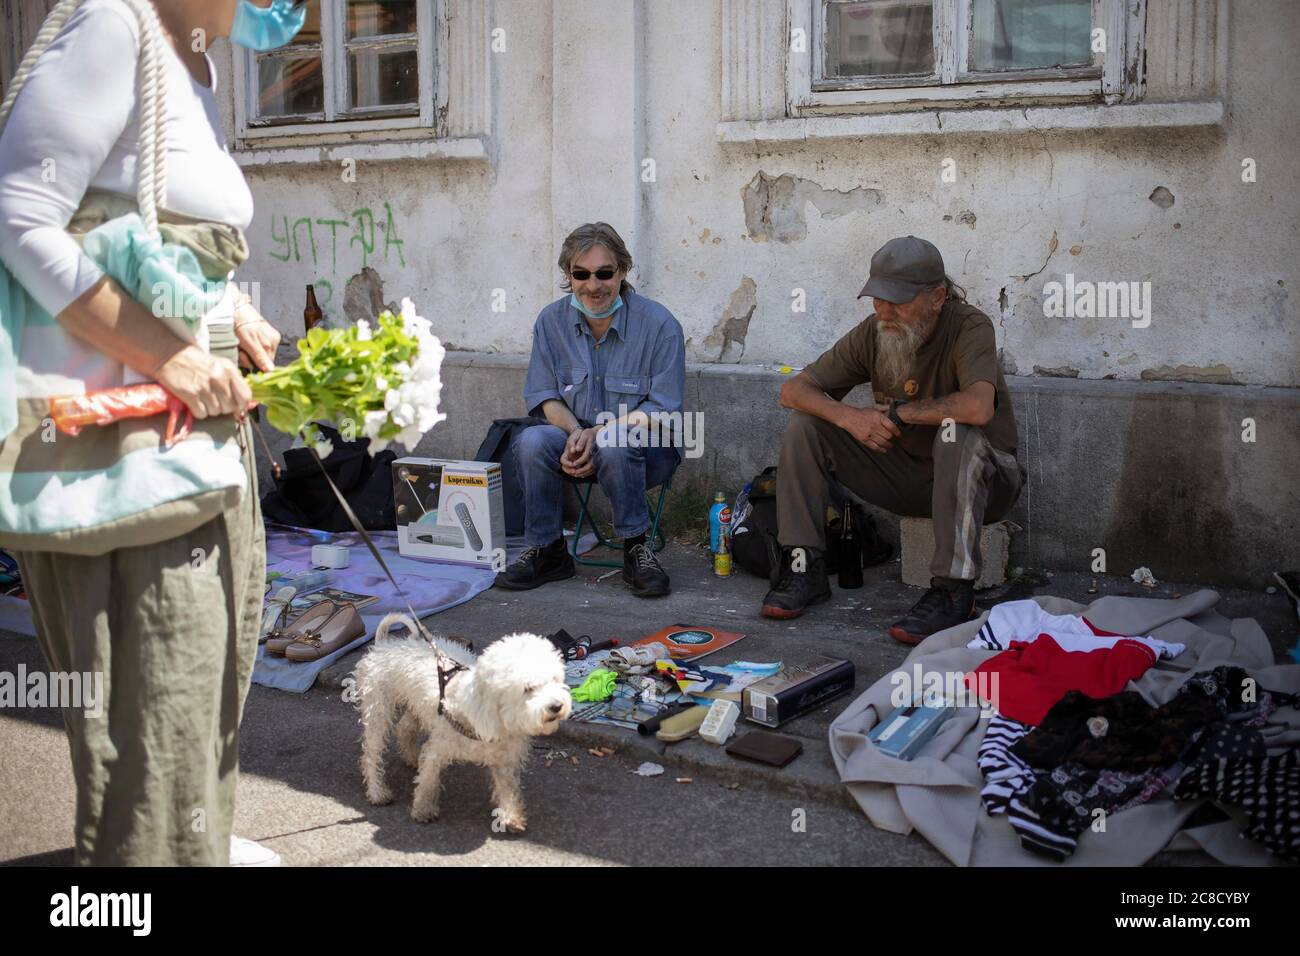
[[450, 511], [904, 732], [796, 689]]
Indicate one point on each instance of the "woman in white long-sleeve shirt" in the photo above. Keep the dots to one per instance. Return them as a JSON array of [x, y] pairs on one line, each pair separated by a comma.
[[173, 638]]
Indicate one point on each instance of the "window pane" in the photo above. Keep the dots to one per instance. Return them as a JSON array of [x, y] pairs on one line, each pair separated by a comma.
[[310, 32], [288, 86], [379, 78], [1029, 34], [372, 18], [879, 38]]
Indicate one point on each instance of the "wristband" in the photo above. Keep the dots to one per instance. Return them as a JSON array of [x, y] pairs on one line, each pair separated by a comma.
[[893, 413]]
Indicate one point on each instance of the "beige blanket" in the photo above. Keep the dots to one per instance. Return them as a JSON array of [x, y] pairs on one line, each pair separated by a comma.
[[938, 793]]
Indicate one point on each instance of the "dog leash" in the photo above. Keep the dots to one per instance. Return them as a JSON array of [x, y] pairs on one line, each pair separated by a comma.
[[447, 667]]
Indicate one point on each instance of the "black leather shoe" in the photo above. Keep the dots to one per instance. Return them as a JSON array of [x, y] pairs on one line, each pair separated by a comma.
[[796, 590], [643, 573], [939, 609], [536, 567]]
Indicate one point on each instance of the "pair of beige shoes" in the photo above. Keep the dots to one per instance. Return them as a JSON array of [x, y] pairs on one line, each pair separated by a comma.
[[319, 631]]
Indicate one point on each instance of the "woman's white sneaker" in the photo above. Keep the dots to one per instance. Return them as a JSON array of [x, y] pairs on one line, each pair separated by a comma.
[[247, 853]]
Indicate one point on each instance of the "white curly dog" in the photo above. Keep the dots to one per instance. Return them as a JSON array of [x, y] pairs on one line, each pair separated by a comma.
[[493, 704]]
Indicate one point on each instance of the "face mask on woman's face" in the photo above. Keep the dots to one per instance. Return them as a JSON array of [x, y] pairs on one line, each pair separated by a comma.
[[265, 28]]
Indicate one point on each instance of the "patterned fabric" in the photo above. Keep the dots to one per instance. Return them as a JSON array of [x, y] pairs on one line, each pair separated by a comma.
[[1138, 737], [1266, 788], [1066, 801], [1050, 781], [1005, 774]]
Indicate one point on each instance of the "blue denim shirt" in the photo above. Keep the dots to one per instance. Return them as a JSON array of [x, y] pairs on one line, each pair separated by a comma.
[[641, 363]]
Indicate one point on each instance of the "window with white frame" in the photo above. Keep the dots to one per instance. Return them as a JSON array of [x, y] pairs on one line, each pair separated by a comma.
[[890, 52], [356, 63]]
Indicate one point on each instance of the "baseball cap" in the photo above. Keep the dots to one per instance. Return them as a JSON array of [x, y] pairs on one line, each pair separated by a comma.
[[902, 268]]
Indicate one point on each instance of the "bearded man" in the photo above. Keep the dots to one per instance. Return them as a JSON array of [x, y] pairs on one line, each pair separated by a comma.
[[940, 441]]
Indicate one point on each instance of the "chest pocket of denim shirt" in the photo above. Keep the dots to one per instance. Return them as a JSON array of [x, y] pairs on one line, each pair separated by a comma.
[[629, 390], [573, 389]]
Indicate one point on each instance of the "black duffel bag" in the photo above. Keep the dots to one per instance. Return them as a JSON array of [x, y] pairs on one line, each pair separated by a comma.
[[498, 447], [302, 497], [754, 545]]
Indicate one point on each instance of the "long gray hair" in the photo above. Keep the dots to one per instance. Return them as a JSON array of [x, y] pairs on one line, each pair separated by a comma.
[[587, 236]]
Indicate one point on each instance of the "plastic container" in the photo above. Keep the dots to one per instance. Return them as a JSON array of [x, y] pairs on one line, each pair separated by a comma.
[[720, 723], [719, 515]]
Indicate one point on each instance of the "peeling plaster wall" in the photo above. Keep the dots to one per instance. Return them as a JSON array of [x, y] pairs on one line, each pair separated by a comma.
[[730, 237], [1220, 254], [465, 229]]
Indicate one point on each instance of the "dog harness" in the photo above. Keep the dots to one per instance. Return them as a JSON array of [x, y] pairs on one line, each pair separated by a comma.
[[445, 674]]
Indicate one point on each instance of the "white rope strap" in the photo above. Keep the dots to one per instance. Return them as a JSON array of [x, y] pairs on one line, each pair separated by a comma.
[[152, 189], [44, 37], [152, 101]]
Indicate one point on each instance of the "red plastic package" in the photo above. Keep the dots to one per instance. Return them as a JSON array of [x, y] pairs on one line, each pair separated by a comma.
[[71, 413]]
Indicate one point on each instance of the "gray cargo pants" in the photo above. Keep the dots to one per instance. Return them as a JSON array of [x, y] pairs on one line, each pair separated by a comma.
[[173, 629], [966, 483]]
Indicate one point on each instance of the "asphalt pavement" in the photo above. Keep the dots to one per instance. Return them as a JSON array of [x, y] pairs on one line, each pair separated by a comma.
[[300, 787]]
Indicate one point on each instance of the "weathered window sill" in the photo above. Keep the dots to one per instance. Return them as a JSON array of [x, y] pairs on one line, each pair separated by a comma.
[[1037, 119], [467, 148]]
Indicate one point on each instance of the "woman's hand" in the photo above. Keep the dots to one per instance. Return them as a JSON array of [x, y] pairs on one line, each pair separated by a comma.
[[258, 339], [207, 384]]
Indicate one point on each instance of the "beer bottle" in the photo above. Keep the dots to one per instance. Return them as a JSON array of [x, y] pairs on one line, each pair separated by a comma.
[[312, 316], [850, 556]]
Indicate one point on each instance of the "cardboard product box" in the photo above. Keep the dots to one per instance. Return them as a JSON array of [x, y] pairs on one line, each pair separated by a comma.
[[800, 686], [904, 732], [450, 511]]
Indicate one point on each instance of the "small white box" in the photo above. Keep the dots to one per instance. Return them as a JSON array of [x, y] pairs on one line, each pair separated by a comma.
[[330, 556], [450, 511]]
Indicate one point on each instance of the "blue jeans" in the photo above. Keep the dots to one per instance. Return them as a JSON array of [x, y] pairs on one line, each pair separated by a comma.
[[624, 475]]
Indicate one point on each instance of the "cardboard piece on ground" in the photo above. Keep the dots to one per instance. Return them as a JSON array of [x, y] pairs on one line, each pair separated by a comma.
[[688, 643]]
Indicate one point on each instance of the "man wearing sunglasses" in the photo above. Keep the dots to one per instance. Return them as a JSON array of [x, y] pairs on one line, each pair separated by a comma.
[[606, 366]]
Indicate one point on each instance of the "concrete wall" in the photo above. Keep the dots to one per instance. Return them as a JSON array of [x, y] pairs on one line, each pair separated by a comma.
[[726, 232]]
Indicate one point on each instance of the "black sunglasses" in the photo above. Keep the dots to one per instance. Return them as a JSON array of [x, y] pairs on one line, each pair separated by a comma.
[[604, 274]]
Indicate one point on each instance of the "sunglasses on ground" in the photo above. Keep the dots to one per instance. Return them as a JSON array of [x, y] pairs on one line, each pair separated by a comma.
[[603, 274]]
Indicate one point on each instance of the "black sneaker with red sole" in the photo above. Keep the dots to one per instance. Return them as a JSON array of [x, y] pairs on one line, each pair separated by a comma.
[[797, 590], [939, 609]]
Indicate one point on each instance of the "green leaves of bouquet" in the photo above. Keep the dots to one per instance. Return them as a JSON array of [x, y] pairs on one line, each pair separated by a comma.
[[384, 383]]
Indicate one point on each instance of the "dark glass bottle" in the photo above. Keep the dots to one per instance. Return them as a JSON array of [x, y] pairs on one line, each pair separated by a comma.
[[312, 315], [850, 553]]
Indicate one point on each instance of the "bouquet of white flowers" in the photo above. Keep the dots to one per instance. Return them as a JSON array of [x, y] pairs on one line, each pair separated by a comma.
[[383, 382]]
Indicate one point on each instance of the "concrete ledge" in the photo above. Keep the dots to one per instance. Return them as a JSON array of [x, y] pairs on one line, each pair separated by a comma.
[[1150, 473], [470, 148], [939, 120]]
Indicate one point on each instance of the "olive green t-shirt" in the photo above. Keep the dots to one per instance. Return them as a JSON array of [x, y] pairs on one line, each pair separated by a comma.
[[961, 351]]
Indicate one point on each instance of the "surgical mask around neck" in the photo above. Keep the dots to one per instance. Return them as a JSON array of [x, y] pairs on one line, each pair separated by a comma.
[[266, 28], [577, 304]]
